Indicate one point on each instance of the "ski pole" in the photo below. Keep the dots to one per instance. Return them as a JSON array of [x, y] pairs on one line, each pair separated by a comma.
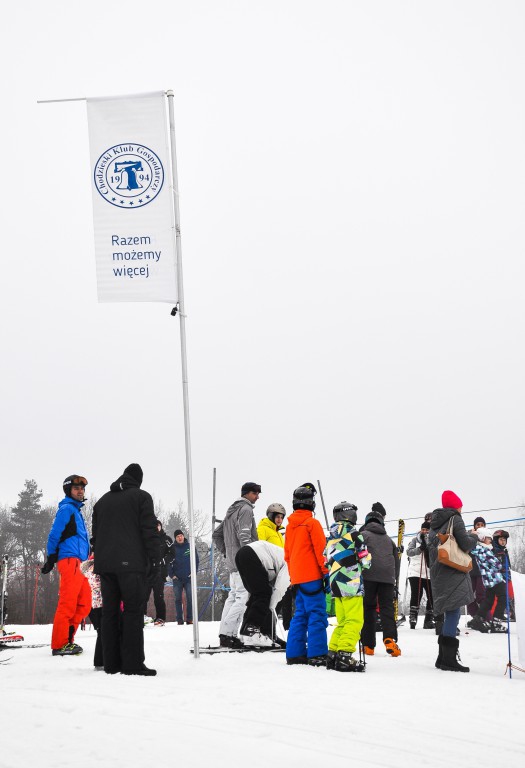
[[508, 608], [322, 502], [4, 580]]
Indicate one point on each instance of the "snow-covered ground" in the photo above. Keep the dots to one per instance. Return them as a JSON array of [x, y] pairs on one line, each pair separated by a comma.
[[252, 710]]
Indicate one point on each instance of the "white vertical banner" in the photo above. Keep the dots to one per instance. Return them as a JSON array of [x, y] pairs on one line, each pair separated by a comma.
[[518, 584], [133, 212]]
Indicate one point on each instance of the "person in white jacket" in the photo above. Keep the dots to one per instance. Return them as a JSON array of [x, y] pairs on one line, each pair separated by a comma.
[[419, 577], [264, 573]]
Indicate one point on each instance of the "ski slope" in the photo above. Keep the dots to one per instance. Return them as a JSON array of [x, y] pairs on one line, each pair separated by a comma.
[[252, 710]]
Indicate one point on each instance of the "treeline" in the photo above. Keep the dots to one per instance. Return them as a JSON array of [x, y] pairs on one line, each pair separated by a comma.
[[24, 529]]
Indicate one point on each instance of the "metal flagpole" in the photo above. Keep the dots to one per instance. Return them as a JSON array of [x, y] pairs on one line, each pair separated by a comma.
[[212, 554], [182, 321]]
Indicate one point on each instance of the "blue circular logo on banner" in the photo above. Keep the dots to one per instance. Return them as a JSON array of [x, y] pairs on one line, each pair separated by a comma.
[[128, 175]]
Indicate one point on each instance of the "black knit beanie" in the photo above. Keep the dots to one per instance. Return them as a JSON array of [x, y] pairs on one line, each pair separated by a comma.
[[134, 471]]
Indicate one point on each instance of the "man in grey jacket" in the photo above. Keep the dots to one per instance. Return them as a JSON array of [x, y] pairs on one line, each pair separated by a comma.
[[236, 531]]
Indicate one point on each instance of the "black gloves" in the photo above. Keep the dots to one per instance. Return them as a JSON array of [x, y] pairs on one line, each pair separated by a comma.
[[49, 564]]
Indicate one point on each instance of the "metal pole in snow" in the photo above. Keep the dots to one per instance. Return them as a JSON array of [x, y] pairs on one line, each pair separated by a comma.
[[212, 555], [184, 361]]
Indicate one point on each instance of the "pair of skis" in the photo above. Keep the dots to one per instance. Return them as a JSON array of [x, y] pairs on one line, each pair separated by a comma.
[[6, 638]]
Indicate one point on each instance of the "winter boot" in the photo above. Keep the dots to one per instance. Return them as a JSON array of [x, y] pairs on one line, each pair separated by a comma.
[[345, 662], [413, 616], [440, 653], [318, 661], [479, 624], [392, 647], [429, 622], [143, 670], [331, 659], [450, 655]]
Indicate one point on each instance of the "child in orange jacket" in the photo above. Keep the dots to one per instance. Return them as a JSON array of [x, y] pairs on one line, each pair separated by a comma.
[[303, 551]]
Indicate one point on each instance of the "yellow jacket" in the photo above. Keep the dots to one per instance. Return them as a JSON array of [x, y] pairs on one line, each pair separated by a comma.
[[267, 531]]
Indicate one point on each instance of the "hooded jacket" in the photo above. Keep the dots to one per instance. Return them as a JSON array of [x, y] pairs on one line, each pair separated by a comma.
[[304, 547], [236, 531], [125, 536], [68, 536], [268, 531], [385, 560], [417, 552], [451, 589], [179, 566]]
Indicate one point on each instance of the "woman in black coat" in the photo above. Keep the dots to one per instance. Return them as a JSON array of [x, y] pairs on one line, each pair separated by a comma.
[[452, 589]]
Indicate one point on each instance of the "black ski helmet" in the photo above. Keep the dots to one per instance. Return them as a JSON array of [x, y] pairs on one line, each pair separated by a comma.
[[275, 509], [73, 480], [303, 497], [345, 511], [375, 517]]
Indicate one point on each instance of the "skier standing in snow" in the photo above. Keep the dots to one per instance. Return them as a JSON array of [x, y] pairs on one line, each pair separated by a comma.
[[499, 547], [477, 582], [127, 546], [418, 577], [451, 589], [270, 527], [236, 531], [346, 557], [265, 576], [68, 546], [179, 570], [379, 583], [490, 569], [304, 553], [157, 579]]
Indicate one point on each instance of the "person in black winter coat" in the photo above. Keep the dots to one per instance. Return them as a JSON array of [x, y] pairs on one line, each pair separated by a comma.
[[157, 578], [379, 581], [127, 546]]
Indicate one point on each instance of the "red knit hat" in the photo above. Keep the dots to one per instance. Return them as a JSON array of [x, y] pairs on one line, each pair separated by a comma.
[[449, 499]]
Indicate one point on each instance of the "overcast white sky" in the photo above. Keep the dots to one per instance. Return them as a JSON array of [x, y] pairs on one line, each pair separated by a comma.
[[352, 199]]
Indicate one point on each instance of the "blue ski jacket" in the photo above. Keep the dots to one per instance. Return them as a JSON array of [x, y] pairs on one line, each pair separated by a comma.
[[180, 563], [68, 536]]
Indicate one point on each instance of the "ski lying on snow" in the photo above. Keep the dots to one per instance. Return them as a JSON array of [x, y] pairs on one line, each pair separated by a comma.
[[10, 638], [4, 646], [211, 649]]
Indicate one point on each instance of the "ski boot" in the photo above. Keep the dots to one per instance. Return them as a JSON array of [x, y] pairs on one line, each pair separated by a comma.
[[498, 626], [331, 659], [229, 641], [68, 649], [318, 661], [368, 651], [392, 647], [252, 636], [479, 624], [159, 623], [345, 662], [413, 617], [297, 660]]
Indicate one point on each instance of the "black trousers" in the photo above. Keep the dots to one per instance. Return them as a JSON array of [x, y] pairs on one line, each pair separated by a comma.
[[377, 592], [156, 583], [417, 587], [499, 591], [95, 617], [123, 631], [255, 579]]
